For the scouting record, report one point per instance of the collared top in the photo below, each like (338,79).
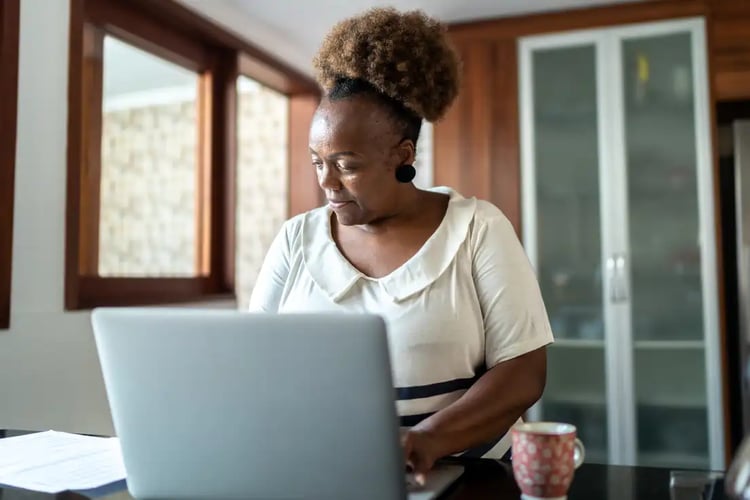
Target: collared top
(466,301)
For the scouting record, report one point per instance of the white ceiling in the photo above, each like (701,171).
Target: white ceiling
(293,29)
(128,69)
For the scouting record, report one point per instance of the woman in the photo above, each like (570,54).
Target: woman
(467,326)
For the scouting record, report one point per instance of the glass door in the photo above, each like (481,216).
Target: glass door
(668,291)
(561,229)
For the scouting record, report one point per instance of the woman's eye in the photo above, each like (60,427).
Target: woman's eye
(317,164)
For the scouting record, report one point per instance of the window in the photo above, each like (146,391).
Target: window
(149,213)
(9,21)
(153,201)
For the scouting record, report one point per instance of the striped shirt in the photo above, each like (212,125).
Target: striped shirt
(466,301)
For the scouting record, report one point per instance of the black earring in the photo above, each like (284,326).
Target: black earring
(405,173)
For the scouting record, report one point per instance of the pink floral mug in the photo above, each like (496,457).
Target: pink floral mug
(545,456)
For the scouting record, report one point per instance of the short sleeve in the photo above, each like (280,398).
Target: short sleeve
(269,287)
(515,319)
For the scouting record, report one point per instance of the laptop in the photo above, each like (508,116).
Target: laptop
(225,404)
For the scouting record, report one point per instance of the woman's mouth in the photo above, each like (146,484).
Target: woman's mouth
(337,204)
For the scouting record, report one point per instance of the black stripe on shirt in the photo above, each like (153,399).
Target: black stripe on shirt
(412,420)
(429,390)
(481,450)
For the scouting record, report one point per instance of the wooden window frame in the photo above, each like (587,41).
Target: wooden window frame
(9,33)
(170,31)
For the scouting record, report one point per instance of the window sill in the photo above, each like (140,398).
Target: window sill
(95,291)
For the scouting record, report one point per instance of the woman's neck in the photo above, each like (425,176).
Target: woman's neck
(414,206)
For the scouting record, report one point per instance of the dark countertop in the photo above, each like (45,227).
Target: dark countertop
(489,479)
(492,480)
(482,479)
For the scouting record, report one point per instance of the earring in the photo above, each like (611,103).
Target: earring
(405,173)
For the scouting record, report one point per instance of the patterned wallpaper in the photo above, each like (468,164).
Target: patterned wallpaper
(147,214)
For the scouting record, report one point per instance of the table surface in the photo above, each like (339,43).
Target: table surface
(490,479)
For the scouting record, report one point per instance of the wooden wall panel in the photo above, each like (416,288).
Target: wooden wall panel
(576,19)
(729,7)
(476,143)
(730,48)
(505,183)
(732,85)
(460,152)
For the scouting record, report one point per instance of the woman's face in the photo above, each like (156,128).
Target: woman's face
(356,148)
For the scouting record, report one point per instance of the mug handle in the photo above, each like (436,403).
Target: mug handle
(579,453)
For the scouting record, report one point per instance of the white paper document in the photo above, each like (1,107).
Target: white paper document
(52,462)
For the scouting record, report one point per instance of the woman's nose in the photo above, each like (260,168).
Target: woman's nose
(328,178)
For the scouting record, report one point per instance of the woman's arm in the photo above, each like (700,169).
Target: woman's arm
(269,286)
(487,410)
(516,332)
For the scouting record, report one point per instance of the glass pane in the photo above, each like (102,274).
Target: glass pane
(662,188)
(667,308)
(147,220)
(262,177)
(671,412)
(569,241)
(577,395)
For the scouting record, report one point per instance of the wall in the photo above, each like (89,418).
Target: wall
(49,373)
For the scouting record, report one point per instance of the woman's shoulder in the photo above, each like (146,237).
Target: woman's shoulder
(485,220)
(482,212)
(488,214)
(491,228)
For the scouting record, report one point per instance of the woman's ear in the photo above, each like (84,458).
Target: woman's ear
(407,152)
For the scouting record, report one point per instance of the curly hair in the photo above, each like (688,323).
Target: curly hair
(404,56)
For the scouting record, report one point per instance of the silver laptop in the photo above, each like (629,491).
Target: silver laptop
(225,404)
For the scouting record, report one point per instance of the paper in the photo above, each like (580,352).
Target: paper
(52,462)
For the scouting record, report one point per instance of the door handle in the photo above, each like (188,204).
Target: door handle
(617,277)
(621,278)
(612,279)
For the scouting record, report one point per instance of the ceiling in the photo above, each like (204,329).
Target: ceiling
(128,70)
(293,29)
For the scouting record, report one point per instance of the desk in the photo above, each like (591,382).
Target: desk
(488,479)
(494,480)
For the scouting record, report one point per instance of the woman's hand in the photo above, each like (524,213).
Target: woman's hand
(420,451)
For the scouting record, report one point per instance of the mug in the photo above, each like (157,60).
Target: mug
(545,456)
